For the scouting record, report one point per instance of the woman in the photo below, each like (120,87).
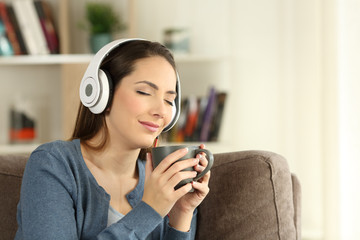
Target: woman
(96,186)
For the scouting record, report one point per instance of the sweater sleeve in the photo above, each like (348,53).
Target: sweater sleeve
(173,234)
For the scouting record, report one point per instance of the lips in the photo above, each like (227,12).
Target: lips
(152,127)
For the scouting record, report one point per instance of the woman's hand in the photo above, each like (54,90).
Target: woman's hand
(160,182)
(181,214)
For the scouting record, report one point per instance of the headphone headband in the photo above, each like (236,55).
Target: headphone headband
(94,65)
(92,72)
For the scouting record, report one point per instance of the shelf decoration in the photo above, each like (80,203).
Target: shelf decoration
(101,22)
(200,119)
(22,122)
(177,40)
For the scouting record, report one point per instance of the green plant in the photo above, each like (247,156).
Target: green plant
(101,18)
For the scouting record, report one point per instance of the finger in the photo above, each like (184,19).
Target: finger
(202,146)
(203,162)
(181,165)
(180,176)
(148,166)
(205,179)
(183,190)
(199,168)
(202,159)
(201,188)
(170,159)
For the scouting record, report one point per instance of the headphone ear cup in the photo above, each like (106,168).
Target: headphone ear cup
(105,93)
(89,91)
(111,88)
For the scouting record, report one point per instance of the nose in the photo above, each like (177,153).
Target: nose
(159,108)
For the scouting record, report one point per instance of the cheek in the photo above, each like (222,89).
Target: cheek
(131,104)
(124,106)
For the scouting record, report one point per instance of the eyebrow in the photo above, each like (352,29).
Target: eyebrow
(154,86)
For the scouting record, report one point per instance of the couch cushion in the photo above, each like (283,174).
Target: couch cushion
(250,198)
(11,171)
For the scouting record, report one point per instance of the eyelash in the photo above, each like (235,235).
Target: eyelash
(169,102)
(142,93)
(147,94)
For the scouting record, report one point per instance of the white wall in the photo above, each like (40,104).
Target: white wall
(349,73)
(330,123)
(277,67)
(206,19)
(254,43)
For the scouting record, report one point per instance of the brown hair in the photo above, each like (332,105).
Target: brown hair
(118,64)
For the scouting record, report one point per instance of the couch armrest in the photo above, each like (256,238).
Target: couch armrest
(11,171)
(251,197)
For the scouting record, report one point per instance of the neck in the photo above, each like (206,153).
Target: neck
(113,159)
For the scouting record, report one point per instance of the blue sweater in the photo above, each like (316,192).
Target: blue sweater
(60,199)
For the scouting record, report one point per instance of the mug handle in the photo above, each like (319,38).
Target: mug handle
(210,158)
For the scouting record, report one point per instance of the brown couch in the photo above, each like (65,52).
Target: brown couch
(252,196)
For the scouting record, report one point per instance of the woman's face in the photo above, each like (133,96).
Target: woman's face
(142,103)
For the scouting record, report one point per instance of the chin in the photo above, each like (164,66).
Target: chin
(147,143)
(146,140)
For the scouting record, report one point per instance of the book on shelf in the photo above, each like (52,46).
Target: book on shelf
(9,29)
(200,119)
(18,33)
(5,46)
(207,117)
(45,16)
(30,27)
(217,117)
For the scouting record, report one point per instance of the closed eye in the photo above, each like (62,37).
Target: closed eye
(143,93)
(169,102)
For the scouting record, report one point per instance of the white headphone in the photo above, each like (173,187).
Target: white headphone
(96,84)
